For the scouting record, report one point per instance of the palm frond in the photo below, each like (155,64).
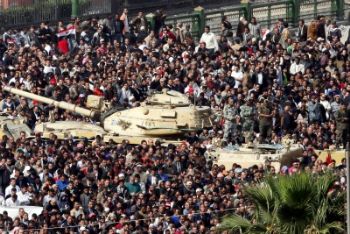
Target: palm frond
(235,223)
(296,190)
(320,214)
(292,204)
(262,196)
(332,228)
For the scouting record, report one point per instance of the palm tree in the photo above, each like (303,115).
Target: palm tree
(303,203)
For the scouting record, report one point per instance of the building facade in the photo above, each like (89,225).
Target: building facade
(5,4)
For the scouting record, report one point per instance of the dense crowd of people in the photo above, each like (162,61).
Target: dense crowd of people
(262,85)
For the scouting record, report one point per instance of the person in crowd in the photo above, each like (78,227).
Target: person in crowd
(210,40)
(126,24)
(226,27)
(118,28)
(139,22)
(265,120)
(342,120)
(261,89)
(302,31)
(321,27)
(242,24)
(254,28)
(334,32)
(312,30)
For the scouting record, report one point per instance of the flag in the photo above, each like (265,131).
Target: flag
(264,33)
(329,158)
(69,31)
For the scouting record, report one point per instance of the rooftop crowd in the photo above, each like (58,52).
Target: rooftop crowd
(261,87)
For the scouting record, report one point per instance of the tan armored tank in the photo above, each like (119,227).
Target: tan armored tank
(12,127)
(135,124)
(249,155)
(168,97)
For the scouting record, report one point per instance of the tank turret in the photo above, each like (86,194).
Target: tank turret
(168,97)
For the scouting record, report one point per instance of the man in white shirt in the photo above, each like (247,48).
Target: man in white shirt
(24,196)
(296,67)
(325,103)
(237,75)
(210,40)
(11,186)
(17,77)
(48,68)
(50,196)
(12,201)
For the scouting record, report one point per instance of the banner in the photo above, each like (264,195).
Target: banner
(13,211)
(344,33)
(69,31)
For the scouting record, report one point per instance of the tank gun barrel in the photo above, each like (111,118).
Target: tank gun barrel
(60,104)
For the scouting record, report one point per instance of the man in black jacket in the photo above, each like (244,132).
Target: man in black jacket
(321,30)
(44,33)
(260,77)
(118,28)
(4,175)
(302,31)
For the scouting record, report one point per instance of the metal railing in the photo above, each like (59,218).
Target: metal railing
(193,20)
(213,18)
(95,7)
(268,13)
(310,9)
(51,11)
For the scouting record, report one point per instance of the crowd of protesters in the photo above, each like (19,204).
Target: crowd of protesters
(262,85)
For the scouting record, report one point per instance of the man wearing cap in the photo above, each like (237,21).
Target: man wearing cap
(230,113)
(247,114)
(342,120)
(265,120)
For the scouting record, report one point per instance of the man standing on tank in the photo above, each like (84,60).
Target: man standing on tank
(342,121)
(230,114)
(247,114)
(265,120)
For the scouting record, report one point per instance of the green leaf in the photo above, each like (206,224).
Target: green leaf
(295,204)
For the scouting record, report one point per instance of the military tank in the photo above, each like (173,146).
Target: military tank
(160,122)
(13,126)
(254,154)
